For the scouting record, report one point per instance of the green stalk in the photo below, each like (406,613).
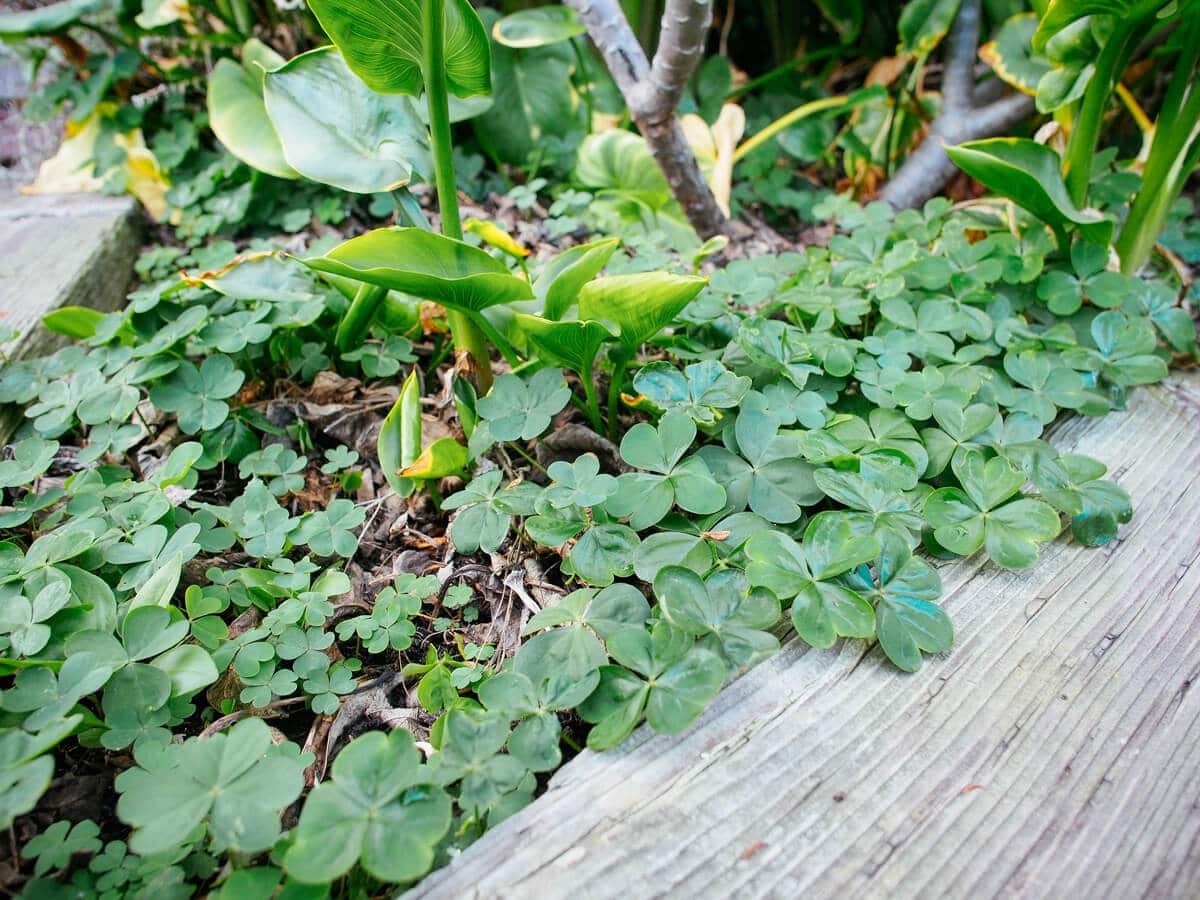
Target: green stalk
(409,210)
(593,400)
(1086,133)
(358,317)
(620,365)
(468,338)
(1169,162)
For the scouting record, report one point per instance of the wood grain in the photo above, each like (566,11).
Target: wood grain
(61,250)
(1053,753)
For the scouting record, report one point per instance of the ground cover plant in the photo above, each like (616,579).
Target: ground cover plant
(320,558)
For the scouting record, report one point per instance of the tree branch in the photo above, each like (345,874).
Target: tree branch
(928,169)
(652,91)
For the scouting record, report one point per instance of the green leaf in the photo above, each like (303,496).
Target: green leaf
(538,27)
(51,18)
(534,99)
(639,305)
(1062,13)
(1011,55)
(238,116)
(335,130)
(725,607)
(572,345)
(1029,174)
(426,265)
(923,24)
(388,55)
(486,507)
(908,622)
(823,609)
(399,444)
(76,322)
(701,390)
(443,457)
(578,484)
(603,553)
(675,680)
(379,809)
(521,409)
(30,460)
(236,782)
(561,279)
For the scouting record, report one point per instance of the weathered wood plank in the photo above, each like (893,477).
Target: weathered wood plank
(1051,754)
(61,250)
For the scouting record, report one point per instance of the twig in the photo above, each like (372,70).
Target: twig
(225,721)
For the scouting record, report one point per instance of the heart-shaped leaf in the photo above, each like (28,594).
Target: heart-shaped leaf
(336,130)
(388,55)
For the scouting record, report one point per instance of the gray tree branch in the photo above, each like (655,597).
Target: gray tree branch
(652,92)
(928,169)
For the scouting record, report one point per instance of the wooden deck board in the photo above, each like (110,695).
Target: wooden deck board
(1053,753)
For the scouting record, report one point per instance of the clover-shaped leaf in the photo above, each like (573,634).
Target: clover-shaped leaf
(603,611)
(235,783)
(979,514)
(379,809)
(1045,387)
(486,509)
(603,553)
(823,608)
(723,606)
(48,696)
(30,459)
(197,396)
(903,589)
(518,409)
(1073,483)
(471,745)
(55,846)
(765,472)
(645,497)
(700,391)
(1124,353)
(877,507)
(330,531)
(579,483)
(663,673)
(958,430)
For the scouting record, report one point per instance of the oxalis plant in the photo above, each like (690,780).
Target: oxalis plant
(799,440)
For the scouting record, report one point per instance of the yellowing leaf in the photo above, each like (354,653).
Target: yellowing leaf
(493,235)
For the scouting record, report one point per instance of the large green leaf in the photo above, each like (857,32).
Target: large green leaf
(49,19)
(619,160)
(336,130)
(383,42)
(1011,55)
(639,305)
(238,116)
(534,101)
(1062,13)
(923,24)
(426,265)
(538,27)
(1029,174)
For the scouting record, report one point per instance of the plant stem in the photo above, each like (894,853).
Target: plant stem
(620,364)
(468,339)
(529,459)
(408,209)
(1086,133)
(358,317)
(593,400)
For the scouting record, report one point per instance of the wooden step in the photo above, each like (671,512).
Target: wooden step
(1052,753)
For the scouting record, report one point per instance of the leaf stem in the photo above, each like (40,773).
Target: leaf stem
(468,339)
(357,320)
(620,365)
